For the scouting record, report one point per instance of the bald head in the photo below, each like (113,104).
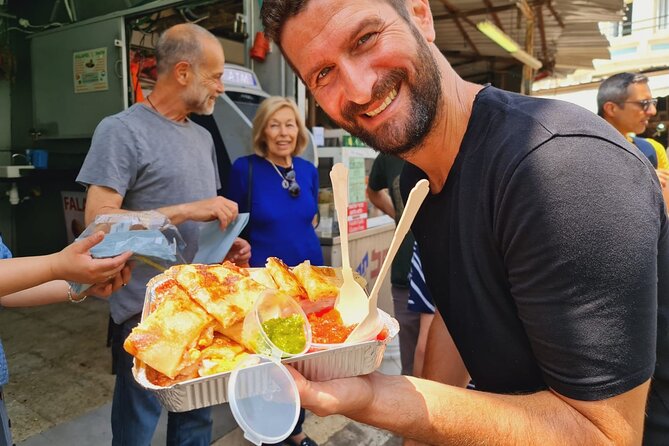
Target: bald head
(183,42)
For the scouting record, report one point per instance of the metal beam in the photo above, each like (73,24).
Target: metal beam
(528,13)
(555,14)
(542,31)
(480,11)
(495,17)
(484,59)
(453,9)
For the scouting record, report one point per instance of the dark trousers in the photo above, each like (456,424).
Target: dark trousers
(409,327)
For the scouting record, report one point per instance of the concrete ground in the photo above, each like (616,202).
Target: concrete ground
(61,384)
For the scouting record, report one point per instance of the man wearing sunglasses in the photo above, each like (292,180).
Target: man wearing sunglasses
(625,101)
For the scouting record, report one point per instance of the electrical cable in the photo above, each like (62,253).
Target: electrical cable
(69,10)
(15,28)
(139,68)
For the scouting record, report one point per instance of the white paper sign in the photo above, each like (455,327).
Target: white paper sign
(74,204)
(90,70)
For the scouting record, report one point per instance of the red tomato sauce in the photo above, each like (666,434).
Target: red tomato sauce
(328,328)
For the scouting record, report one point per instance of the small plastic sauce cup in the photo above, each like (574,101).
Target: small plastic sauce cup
(277,326)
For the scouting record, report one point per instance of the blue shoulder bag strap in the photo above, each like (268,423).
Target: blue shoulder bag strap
(647,149)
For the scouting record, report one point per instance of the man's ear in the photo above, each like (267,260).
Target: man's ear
(182,72)
(422,18)
(610,108)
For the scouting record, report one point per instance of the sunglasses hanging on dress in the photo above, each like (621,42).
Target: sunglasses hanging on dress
(288,180)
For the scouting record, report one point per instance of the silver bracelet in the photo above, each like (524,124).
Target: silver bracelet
(72,299)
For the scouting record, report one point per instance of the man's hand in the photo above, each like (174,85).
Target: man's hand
(240,253)
(216,208)
(75,264)
(103,200)
(345,396)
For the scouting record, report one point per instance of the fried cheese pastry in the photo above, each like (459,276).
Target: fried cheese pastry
(163,337)
(225,291)
(261,275)
(222,355)
(212,353)
(320,282)
(285,279)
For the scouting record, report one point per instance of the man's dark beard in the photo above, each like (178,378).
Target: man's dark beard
(425,95)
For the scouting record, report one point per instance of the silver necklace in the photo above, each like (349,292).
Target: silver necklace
(284,182)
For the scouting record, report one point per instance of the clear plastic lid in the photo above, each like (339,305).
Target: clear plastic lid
(264,399)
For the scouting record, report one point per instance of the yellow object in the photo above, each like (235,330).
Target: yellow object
(662,160)
(505,41)
(498,36)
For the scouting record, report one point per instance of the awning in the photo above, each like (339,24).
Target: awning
(566,34)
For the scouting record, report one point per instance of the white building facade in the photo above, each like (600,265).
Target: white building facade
(638,43)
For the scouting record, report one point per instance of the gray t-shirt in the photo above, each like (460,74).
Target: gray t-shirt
(152,162)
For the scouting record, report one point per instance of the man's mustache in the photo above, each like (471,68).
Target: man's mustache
(379,92)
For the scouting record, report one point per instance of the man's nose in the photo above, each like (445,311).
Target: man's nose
(651,110)
(358,81)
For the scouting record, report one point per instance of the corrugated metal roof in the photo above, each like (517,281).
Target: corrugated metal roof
(566,35)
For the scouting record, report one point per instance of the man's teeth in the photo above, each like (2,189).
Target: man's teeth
(384,105)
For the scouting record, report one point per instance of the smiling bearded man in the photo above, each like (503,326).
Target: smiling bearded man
(544,242)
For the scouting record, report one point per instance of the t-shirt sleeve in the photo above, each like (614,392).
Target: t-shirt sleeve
(377,176)
(582,263)
(237,187)
(112,158)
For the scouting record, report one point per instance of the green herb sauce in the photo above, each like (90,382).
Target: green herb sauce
(286,333)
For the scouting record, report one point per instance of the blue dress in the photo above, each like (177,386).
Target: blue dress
(279,225)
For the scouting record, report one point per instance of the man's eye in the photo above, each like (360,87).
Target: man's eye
(324,72)
(365,38)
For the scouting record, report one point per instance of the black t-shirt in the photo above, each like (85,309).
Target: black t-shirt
(546,251)
(385,174)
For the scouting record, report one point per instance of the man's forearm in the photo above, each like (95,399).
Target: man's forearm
(436,413)
(381,199)
(177,213)
(91,213)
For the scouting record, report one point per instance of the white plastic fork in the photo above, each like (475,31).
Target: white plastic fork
(352,300)
(371,325)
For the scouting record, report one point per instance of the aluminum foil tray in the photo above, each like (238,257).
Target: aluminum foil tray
(337,362)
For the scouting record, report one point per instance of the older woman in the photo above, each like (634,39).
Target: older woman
(280,191)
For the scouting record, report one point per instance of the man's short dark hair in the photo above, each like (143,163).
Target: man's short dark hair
(275,13)
(615,89)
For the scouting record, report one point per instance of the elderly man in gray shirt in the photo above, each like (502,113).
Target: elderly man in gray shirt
(153,157)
